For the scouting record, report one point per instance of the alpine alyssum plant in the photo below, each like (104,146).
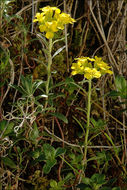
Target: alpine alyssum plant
(91,68)
(50,21)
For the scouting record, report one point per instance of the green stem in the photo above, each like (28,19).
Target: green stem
(49,68)
(75,170)
(87,126)
(1,13)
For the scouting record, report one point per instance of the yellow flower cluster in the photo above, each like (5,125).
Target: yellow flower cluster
(90,67)
(51,20)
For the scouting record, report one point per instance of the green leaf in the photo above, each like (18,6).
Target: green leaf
(34,154)
(43,39)
(3,125)
(98,179)
(98,125)
(116,188)
(68,177)
(114,93)
(18,88)
(41,96)
(53,183)
(8,126)
(95,158)
(54,96)
(58,40)
(36,85)
(60,116)
(57,85)
(69,80)
(58,51)
(82,186)
(9,162)
(110,140)
(39,159)
(120,83)
(79,123)
(106,188)
(27,85)
(49,151)
(48,166)
(34,134)
(45,51)
(86,180)
(60,151)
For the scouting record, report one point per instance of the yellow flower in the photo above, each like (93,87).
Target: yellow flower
(51,26)
(51,20)
(109,72)
(78,68)
(84,61)
(91,73)
(50,9)
(66,18)
(42,28)
(102,66)
(90,67)
(74,72)
(90,59)
(49,35)
(39,17)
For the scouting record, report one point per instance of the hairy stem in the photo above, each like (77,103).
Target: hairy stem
(49,68)
(87,126)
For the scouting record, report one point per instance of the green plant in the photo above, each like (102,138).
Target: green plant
(37,181)
(103,161)
(50,21)
(91,68)
(58,186)
(121,86)
(96,182)
(61,184)
(47,155)
(28,106)
(56,130)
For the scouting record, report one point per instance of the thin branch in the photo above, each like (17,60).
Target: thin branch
(104,39)
(77,146)
(66,41)
(29,6)
(109,31)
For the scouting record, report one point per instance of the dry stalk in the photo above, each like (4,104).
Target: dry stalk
(27,7)
(112,59)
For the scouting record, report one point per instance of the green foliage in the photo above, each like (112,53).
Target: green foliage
(4,59)
(98,125)
(60,116)
(7,128)
(76,160)
(48,155)
(34,133)
(27,87)
(60,185)
(96,182)
(44,113)
(56,186)
(8,162)
(104,158)
(38,182)
(121,86)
